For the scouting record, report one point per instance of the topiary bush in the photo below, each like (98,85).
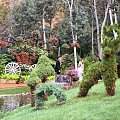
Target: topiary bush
(48,89)
(42,71)
(110,46)
(33,80)
(107,68)
(39,74)
(89,78)
(44,68)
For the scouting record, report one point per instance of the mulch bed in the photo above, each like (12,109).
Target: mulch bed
(10,84)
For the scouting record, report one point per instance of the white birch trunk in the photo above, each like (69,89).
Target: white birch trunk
(59,51)
(71,24)
(103,24)
(115,15)
(92,40)
(44,37)
(111,20)
(97,25)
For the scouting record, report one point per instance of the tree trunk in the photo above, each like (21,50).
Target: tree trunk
(92,38)
(44,37)
(73,37)
(97,25)
(103,24)
(32,88)
(111,90)
(111,20)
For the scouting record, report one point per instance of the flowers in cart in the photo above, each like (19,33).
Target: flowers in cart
(73,74)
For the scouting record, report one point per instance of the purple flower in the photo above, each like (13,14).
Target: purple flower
(72,72)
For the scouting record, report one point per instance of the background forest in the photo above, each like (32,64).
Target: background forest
(53,25)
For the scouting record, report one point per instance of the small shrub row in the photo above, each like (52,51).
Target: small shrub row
(13,77)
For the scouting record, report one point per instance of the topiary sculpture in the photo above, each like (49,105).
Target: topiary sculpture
(48,89)
(107,68)
(89,78)
(110,46)
(39,74)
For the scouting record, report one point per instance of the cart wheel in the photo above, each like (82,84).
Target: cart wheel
(31,67)
(12,68)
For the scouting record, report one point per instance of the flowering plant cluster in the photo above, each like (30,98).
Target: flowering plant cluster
(72,72)
(25,55)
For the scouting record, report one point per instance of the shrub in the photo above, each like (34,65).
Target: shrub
(110,47)
(89,78)
(13,77)
(48,89)
(44,68)
(41,72)
(2,64)
(33,79)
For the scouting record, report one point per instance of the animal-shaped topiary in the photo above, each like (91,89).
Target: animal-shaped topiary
(89,78)
(48,89)
(107,68)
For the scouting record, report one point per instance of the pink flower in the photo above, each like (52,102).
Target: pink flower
(72,72)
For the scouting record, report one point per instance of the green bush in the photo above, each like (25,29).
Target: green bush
(33,79)
(92,74)
(2,64)
(48,89)
(41,72)
(110,47)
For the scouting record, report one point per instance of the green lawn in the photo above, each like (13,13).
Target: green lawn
(15,91)
(96,106)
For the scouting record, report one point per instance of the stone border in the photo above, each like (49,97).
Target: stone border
(13,101)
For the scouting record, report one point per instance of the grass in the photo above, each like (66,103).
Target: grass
(96,106)
(15,90)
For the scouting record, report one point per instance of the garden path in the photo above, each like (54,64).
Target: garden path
(10,84)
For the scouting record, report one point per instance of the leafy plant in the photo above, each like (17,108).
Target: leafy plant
(2,64)
(72,72)
(110,46)
(89,78)
(33,79)
(107,68)
(13,77)
(39,74)
(44,68)
(48,89)
(50,78)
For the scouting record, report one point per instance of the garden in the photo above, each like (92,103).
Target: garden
(59,59)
